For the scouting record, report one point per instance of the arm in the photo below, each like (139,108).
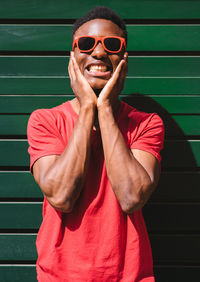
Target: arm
(61,177)
(133,174)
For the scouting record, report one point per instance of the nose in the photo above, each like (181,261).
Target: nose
(99,51)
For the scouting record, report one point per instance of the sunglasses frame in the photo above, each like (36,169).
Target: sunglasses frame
(97,39)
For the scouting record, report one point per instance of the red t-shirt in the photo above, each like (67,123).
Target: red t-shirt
(96,241)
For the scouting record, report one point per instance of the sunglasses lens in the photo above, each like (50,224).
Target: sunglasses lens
(112,44)
(86,43)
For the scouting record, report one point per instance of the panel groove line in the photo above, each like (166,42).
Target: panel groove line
(126,20)
(67,53)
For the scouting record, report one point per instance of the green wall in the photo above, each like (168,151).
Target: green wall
(163,76)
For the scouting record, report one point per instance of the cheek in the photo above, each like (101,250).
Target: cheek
(80,59)
(115,61)
(115,64)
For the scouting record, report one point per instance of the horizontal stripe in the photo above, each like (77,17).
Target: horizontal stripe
(172,187)
(175,126)
(58,37)
(174,273)
(14,153)
(142,86)
(187,104)
(138,9)
(56,67)
(170,249)
(185,248)
(16,272)
(160,217)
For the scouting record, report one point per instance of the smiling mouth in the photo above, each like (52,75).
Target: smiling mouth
(98,68)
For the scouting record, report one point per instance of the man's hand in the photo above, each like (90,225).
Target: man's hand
(79,84)
(85,93)
(114,86)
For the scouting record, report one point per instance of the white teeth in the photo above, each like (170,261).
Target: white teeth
(97,68)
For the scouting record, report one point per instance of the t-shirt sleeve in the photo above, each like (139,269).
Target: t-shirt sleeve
(150,136)
(44,137)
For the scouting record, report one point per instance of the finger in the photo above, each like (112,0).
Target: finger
(120,66)
(117,73)
(75,66)
(79,76)
(124,70)
(125,67)
(117,80)
(79,80)
(113,80)
(71,69)
(122,76)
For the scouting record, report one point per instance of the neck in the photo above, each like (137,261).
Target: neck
(76,106)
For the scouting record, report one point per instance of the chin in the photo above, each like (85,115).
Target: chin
(97,92)
(98,85)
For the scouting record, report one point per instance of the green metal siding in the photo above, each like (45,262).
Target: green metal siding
(163,76)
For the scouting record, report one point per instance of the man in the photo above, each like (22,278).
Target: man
(97,162)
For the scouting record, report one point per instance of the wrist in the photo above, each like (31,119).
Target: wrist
(104,105)
(107,106)
(87,108)
(86,116)
(88,102)
(105,114)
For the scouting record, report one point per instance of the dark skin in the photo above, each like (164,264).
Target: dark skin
(133,174)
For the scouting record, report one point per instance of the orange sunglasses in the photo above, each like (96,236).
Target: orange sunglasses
(112,44)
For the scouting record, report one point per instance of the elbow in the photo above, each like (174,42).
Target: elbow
(136,198)
(65,206)
(61,205)
(132,204)
(58,196)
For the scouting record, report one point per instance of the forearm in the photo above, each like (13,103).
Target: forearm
(129,180)
(64,179)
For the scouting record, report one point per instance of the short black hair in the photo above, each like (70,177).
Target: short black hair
(100,12)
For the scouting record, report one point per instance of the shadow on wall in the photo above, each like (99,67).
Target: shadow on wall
(171,214)
(177,154)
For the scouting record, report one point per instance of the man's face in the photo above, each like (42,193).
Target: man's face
(98,65)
